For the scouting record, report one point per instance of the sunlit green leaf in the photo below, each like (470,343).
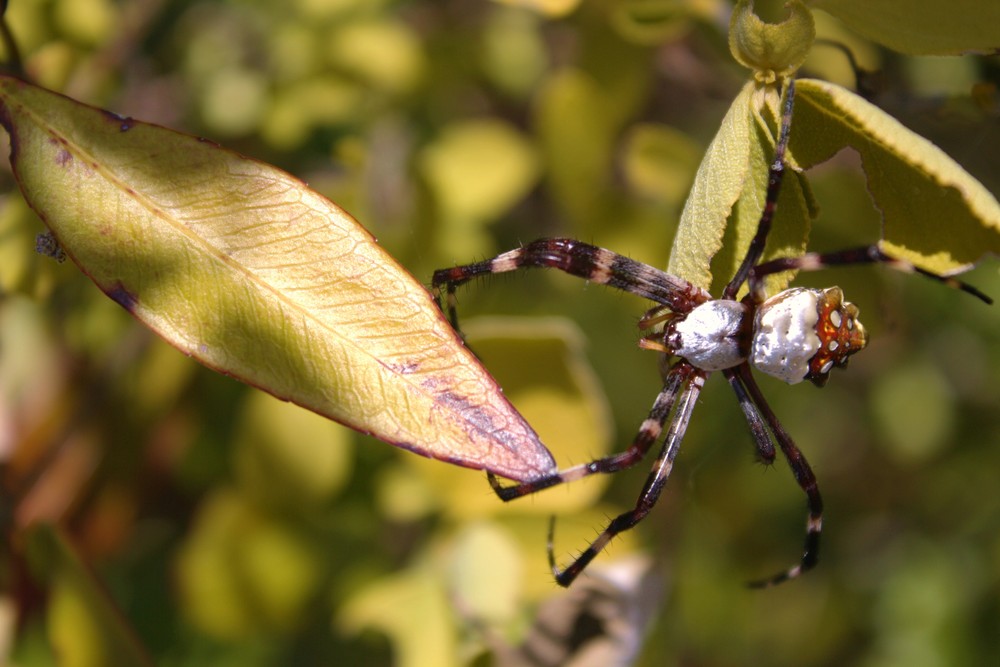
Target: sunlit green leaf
(514,50)
(658,162)
(724,206)
(413,610)
(252,273)
(385,54)
(234,100)
(551,8)
(934,213)
(486,572)
(717,186)
(576,133)
(241,573)
(476,170)
(288,456)
(922,27)
(298,108)
(658,21)
(89,21)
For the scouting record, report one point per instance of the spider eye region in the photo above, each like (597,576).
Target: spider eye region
(802,333)
(840,332)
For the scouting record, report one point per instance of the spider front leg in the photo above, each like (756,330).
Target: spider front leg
(691,380)
(775,176)
(583,261)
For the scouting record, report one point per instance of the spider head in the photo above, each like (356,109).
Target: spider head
(840,334)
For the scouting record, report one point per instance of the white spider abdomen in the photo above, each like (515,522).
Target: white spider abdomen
(709,337)
(785,336)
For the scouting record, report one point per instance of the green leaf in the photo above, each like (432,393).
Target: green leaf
(915,411)
(413,609)
(549,8)
(723,209)
(934,213)
(658,21)
(288,458)
(85,627)
(657,162)
(717,186)
(922,27)
(577,133)
(485,571)
(384,54)
(249,271)
(772,50)
(476,170)
(241,572)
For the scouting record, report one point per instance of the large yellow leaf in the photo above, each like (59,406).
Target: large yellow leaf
(933,212)
(922,27)
(246,269)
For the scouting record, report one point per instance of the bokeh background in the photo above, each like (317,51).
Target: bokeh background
(232,529)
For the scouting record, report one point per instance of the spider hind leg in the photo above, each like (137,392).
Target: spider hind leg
(869,254)
(684,385)
(753,403)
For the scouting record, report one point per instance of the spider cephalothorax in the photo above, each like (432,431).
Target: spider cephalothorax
(798,334)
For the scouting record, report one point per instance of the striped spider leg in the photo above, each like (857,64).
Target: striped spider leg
(798,334)
(682,382)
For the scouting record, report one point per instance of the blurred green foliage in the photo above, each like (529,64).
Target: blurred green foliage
(232,529)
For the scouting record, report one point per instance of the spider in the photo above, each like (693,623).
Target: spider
(798,334)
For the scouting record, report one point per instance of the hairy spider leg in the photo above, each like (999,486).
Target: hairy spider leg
(803,474)
(584,261)
(758,429)
(775,175)
(649,433)
(870,254)
(686,379)
(682,381)
(754,404)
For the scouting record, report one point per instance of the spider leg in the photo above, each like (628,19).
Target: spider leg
(694,380)
(871,254)
(758,429)
(654,316)
(803,475)
(649,433)
(774,177)
(584,261)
